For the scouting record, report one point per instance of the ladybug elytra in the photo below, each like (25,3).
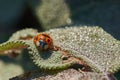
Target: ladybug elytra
(43,41)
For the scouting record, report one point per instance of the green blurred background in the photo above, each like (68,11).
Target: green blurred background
(48,14)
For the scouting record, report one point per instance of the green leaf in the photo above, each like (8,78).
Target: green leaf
(93,45)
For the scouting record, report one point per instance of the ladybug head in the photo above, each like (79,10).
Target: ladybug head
(43,41)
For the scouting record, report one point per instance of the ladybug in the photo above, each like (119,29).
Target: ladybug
(43,41)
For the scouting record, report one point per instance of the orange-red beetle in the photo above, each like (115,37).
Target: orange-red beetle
(43,41)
